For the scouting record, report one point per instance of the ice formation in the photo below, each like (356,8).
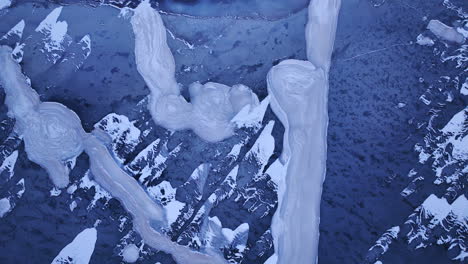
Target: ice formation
(53,134)
(212,105)
(299,91)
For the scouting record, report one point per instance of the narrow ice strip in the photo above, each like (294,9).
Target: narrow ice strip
(299,91)
(212,105)
(79,250)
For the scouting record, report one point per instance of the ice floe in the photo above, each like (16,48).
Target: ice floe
(445,32)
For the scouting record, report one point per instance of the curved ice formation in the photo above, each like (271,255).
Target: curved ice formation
(212,105)
(299,91)
(53,134)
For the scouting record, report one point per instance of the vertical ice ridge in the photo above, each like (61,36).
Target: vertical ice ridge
(299,91)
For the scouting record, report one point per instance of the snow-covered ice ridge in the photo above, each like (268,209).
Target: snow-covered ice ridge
(442,165)
(123,136)
(434,222)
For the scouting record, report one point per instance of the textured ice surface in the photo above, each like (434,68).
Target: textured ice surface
(79,250)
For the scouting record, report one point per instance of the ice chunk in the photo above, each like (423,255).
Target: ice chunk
(5,206)
(55,33)
(79,250)
(445,32)
(130,253)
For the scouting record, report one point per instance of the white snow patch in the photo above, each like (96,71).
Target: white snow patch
(87,183)
(9,164)
(5,206)
(251,116)
(212,105)
(16,30)
(424,41)
(164,193)
(20,193)
(263,148)
(4,4)
(79,251)
(54,33)
(72,206)
(55,191)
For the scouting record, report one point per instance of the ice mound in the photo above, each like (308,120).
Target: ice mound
(211,106)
